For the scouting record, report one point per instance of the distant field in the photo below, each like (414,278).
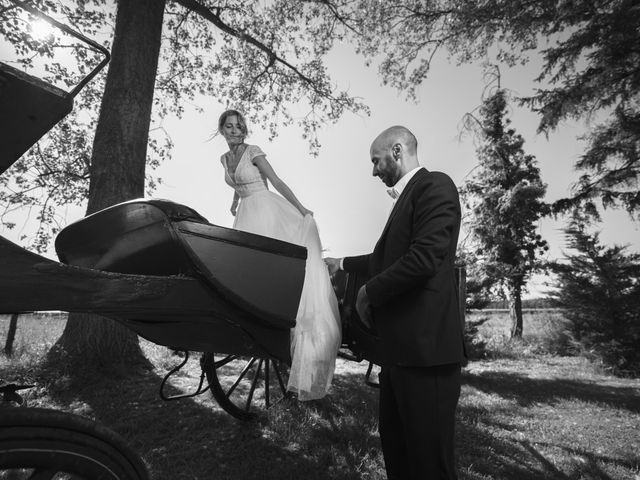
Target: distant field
(45,327)
(537,323)
(36,332)
(522,416)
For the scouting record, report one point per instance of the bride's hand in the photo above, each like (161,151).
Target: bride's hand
(234,209)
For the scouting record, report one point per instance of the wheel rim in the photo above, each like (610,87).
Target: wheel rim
(245,386)
(44,444)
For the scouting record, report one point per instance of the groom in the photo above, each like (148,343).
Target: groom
(412,299)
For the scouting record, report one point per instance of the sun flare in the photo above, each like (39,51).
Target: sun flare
(41,29)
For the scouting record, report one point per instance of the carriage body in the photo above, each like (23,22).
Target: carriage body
(255,280)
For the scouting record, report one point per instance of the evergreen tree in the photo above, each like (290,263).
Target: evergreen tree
(479,285)
(600,288)
(504,197)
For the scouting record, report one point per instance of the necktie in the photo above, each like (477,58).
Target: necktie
(393,193)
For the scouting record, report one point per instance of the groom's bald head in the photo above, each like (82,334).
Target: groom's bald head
(394,153)
(397,134)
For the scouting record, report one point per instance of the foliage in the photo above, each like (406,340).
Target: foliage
(263,58)
(54,174)
(267,58)
(591,65)
(475,344)
(503,197)
(612,165)
(536,303)
(478,289)
(479,284)
(600,288)
(606,39)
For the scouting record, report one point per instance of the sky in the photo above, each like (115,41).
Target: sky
(349,204)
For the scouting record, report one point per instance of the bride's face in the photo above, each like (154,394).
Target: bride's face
(233,131)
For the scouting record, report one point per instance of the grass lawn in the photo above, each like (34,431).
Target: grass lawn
(529,417)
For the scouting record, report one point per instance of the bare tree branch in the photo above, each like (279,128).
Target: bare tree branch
(214,17)
(337,15)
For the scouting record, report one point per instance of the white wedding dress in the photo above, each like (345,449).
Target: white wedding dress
(316,338)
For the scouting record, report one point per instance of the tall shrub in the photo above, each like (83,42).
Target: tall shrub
(600,288)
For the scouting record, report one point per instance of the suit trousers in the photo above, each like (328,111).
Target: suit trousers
(417,419)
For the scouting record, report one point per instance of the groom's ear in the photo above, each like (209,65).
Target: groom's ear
(396,149)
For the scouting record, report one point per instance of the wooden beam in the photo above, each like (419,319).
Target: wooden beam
(30,282)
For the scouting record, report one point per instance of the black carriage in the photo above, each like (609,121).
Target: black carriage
(165,272)
(162,270)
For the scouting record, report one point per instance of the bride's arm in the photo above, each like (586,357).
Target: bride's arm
(267,170)
(236,197)
(234,204)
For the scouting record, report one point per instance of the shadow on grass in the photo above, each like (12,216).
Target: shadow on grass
(497,443)
(528,391)
(485,453)
(485,456)
(341,428)
(590,462)
(482,455)
(333,438)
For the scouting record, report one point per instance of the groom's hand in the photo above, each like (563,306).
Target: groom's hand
(333,264)
(363,306)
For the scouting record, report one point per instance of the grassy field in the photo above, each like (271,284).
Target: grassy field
(523,414)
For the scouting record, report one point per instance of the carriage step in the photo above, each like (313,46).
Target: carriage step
(29,108)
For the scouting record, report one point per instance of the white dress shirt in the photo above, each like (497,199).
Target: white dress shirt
(395,192)
(401,184)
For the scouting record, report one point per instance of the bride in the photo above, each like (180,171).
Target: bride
(315,340)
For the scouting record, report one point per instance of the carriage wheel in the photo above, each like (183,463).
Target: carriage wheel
(244,386)
(45,444)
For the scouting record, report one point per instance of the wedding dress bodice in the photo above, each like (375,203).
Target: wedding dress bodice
(247,179)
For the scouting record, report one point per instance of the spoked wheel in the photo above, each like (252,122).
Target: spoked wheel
(244,386)
(42,444)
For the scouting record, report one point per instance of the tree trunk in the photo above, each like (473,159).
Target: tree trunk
(11,335)
(118,166)
(515,309)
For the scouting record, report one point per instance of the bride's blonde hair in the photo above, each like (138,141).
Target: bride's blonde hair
(230,113)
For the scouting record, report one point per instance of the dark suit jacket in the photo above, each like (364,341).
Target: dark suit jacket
(412,287)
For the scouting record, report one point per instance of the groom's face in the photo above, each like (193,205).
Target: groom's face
(385,166)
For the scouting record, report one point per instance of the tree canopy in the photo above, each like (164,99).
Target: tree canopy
(590,69)
(266,59)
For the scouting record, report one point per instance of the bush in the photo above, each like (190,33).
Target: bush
(600,288)
(475,343)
